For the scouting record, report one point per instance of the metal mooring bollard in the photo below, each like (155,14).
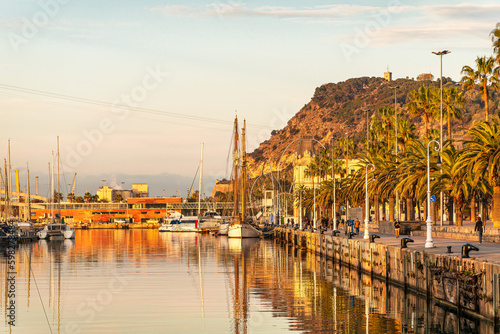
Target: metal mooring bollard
(466,249)
(335,233)
(373,237)
(350,235)
(449,250)
(405,241)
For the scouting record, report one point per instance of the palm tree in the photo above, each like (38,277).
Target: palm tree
(118,198)
(481,159)
(485,75)
(413,172)
(71,197)
(406,133)
(313,170)
(423,102)
(87,197)
(387,120)
(453,100)
(453,181)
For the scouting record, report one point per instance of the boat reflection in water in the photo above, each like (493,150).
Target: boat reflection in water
(142,281)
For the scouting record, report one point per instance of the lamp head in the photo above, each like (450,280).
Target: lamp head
(438,161)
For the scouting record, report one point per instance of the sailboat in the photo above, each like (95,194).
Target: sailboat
(56,228)
(240,227)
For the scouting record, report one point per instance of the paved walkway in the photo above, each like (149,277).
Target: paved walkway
(488,251)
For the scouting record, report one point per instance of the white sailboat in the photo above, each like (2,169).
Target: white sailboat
(176,222)
(240,227)
(53,228)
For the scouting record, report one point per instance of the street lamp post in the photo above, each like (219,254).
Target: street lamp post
(429,243)
(367,206)
(440,54)
(334,208)
(347,172)
(396,143)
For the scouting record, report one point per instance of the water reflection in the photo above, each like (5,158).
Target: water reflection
(132,281)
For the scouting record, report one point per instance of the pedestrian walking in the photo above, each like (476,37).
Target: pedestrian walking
(356,226)
(346,226)
(479,228)
(397,226)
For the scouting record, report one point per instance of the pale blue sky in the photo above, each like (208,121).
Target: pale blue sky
(210,58)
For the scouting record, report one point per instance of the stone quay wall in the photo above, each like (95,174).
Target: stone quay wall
(467,284)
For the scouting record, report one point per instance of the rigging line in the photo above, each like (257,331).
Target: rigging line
(116,105)
(194,178)
(38,290)
(229,153)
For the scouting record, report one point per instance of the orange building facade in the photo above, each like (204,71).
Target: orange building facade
(134,210)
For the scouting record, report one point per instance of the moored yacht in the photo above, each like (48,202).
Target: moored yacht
(242,230)
(56,229)
(182,224)
(211,221)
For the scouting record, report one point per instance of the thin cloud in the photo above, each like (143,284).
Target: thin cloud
(403,34)
(239,10)
(457,11)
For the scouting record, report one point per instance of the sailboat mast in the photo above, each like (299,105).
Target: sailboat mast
(201,182)
(10,179)
(243,172)
(235,165)
(58,181)
(7,189)
(52,187)
(28,196)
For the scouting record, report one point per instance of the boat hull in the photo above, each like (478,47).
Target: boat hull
(224,228)
(179,227)
(55,230)
(242,231)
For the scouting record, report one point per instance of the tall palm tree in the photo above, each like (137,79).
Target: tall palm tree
(481,159)
(423,102)
(387,120)
(406,133)
(453,100)
(454,181)
(413,171)
(484,75)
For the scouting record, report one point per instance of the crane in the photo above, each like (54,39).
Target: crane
(73,186)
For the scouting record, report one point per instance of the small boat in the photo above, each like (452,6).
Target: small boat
(183,224)
(25,231)
(56,229)
(242,230)
(211,221)
(7,235)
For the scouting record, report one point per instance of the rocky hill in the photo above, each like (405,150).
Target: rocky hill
(337,108)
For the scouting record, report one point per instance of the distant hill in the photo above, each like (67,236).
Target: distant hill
(335,108)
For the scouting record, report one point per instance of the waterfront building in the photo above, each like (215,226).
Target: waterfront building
(134,210)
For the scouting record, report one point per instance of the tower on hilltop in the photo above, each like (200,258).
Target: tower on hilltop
(388,75)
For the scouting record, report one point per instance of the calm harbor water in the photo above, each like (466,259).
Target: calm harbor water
(142,281)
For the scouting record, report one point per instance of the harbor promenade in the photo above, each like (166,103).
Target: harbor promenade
(443,236)
(470,284)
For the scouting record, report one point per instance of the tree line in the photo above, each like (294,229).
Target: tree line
(468,177)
